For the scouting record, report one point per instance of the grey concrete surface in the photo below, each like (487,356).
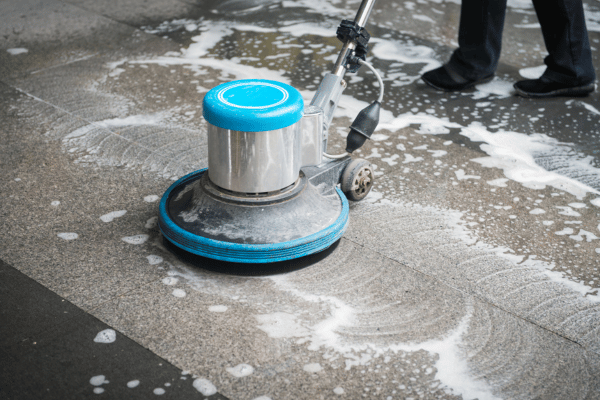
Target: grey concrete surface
(444,285)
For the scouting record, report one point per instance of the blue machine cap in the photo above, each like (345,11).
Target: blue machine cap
(253,105)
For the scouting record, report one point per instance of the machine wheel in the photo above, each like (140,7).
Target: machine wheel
(357,179)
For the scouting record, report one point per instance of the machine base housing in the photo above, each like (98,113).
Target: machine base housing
(302,219)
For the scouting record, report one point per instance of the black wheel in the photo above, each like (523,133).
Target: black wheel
(357,179)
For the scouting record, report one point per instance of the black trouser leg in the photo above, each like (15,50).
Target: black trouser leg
(565,34)
(479,38)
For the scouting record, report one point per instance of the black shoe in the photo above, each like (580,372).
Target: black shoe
(538,88)
(448,80)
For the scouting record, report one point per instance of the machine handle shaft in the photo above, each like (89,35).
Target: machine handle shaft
(363,13)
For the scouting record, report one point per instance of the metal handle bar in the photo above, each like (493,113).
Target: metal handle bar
(361,19)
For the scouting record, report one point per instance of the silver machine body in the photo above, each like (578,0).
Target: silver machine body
(267,161)
(270,161)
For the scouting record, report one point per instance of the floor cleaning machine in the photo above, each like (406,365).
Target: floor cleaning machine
(271,192)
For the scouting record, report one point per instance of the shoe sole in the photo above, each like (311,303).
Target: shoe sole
(579,91)
(467,86)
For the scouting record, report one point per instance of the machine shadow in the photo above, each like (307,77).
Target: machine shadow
(243,269)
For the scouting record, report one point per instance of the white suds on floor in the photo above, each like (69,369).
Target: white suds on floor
(17,50)
(68,235)
(98,380)
(151,198)
(241,370)
(106,336)
(204,386)
(112,215)
(154,260)
(136,239)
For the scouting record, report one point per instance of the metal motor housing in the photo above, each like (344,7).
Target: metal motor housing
(263,151)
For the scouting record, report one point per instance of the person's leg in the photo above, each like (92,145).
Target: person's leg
(569,69)
(479,38)
(566,38)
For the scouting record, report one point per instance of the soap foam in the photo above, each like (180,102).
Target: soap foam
(17,50)
(313,368)
(151,198)
(98,380)
(68,235)
(154,260)
(136,239)
(204,386)
(170,281)
(532,72)
(241,370)
(151,223)
(106,336)
(112,215)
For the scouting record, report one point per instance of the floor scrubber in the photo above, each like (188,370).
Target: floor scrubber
(271,192)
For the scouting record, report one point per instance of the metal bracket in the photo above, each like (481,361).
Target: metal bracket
(351,32)
(328,173)
(326,98)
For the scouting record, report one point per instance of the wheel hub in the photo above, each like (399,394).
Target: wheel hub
(363,181)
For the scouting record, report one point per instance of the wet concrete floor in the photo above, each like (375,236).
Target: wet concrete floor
(470,271)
